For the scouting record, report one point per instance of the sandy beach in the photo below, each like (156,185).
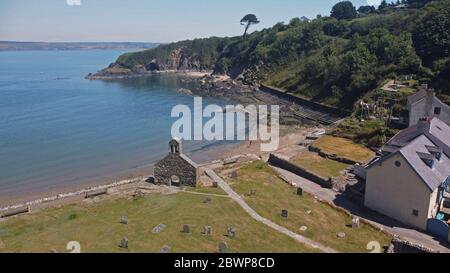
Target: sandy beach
(289,136)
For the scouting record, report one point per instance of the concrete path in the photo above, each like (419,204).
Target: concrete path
(386,224)
(238,199)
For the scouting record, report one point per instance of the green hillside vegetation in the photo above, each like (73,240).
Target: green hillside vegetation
(204,50)
(330,60)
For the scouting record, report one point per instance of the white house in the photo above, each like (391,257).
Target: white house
(425,104)
(407,185)
(410,182)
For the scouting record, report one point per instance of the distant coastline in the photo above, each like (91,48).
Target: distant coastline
(49,46)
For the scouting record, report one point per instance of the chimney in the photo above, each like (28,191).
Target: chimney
(429,102)
(423,123)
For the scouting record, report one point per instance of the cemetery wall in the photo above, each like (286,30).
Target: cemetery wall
(277,161)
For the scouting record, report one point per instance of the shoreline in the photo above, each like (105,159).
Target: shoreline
(202,155)
(187,73)
(66,194)
(216,85)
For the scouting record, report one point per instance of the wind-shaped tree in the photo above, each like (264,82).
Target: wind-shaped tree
(344,11)
(247,21)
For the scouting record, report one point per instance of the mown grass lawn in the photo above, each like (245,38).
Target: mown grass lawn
(324,222)
(343,148)
(96,227)
(324,167)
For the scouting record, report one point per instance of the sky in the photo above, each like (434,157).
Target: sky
(159,21)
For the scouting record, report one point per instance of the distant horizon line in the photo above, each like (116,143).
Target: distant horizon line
(79,42)
(73,42)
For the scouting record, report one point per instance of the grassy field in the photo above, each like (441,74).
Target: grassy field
(96,226)
(324,167)
(343,148)
(207,190)
(323,221)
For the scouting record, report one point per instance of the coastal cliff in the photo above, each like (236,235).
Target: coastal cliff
(196,55)
(327,60)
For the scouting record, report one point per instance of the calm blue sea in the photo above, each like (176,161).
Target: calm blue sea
(59,130)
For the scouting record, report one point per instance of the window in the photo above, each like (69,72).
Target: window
(430,163)
(415,212)
(398,164)
(437,111)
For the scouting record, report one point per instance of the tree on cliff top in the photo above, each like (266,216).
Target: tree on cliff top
(344,10)
(247,21)
(367,9)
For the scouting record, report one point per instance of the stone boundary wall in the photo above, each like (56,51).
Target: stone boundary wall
(402,246)
(397,245)
(70,194)
(278,161)
(301,101)
(344,160)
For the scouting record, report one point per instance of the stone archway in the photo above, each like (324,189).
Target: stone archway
(175,181)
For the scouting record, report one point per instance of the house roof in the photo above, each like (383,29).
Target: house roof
(435,130)
(417,96)
(414,153)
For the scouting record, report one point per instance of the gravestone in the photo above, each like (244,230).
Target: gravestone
(231,232)
(165,249)
(54,251)
(159,228)
(341,235)
(207,230)
(207,200)
(299,191)
(186,229)
(233,175)
(303,228)
(252,192)
(124,220)
(215,184)
(356,222)
(223,247)
(124,243)
(284,213)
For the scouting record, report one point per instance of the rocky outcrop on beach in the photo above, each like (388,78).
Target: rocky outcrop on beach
(238,92)
(115,70)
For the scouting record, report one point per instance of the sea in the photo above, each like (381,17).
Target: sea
(59,130)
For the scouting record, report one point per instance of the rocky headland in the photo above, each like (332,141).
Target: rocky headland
(207,74)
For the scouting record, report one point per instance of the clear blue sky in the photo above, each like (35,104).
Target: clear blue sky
(145,20)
